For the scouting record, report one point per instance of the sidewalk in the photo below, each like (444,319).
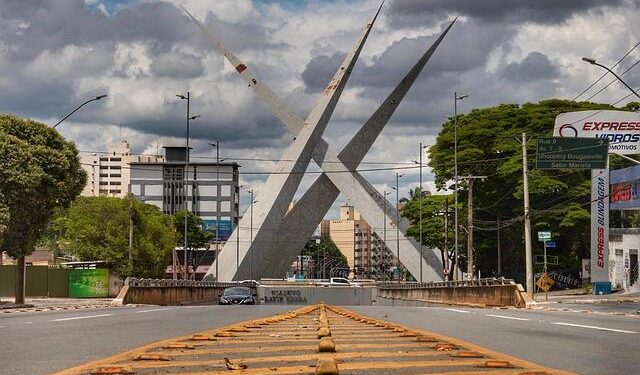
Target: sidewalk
(578,296)
(52,304)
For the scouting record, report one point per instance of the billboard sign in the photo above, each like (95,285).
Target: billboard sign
(225,228)
(571,153)
(89,282)
(621,128)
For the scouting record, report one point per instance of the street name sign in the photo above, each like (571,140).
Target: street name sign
(544,236)
(572,153)
(551,244)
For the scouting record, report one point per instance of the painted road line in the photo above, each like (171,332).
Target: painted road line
(460,311)
(507,317)
(593,327)
(80,317)
(154,310)
(319,336)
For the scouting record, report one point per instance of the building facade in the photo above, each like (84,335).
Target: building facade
(108,173)
(209,190)
(366,253)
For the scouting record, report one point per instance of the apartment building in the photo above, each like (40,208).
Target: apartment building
(366,253)
(108,173)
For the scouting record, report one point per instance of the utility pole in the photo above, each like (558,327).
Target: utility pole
(527,218)
(397,189)
(499,250)
(445,247)
(470,262)
(420,219)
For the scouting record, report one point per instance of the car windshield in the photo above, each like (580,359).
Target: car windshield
(237,292)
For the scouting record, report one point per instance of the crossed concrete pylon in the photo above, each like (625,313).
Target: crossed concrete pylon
(278,235)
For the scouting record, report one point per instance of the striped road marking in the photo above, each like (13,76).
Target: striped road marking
(79,317)
(593,327)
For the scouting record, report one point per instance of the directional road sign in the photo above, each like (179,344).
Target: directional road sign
(572,153)
(545,282)
(551,244)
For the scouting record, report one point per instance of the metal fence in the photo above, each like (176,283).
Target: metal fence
(167,283)
(450,284)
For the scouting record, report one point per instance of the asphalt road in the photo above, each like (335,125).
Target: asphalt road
(587,343)
(44,342)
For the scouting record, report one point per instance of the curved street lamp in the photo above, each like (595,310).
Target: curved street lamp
(592,61)
(80,106)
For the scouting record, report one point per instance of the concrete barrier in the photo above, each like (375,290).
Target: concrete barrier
(169,292)
(484,292)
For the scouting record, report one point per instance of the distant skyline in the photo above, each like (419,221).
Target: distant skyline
(57,53)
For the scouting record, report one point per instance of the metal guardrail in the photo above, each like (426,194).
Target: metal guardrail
(493,281)
(155,283)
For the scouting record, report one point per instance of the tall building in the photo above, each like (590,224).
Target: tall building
(108,173)
(212,191)
(356,239)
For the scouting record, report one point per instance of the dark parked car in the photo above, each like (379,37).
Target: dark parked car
(237,295)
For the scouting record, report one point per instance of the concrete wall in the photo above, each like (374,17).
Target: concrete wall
(302,295)
(494,295)
(169,295)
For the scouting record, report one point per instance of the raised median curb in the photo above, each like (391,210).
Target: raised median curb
(289,343)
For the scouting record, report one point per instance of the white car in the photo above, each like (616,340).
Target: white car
(340,281)
(254,282)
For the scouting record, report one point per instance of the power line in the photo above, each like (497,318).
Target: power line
(605,73)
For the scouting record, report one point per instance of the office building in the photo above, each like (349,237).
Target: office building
(212,189)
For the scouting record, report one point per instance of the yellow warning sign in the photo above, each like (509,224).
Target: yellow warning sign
(545,282)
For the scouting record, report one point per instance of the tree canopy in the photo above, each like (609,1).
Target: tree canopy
(39,172)
(197,237)
(97,228)
(489,144)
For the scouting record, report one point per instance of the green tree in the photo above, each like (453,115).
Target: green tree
(97,228)
(434,208)
(489,143)
(197,237)
(326,254)
(39,171)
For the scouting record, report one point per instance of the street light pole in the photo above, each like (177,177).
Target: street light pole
(251,234)
(186,178)
(78,107)
(420,203)
(593,62)
(217,146)
(384,234)
(397,189)
(455,156)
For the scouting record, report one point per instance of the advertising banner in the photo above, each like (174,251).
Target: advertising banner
(225,228)
(89,282)
(621,128)
(600,225)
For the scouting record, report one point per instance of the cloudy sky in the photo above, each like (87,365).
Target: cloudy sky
(55,54)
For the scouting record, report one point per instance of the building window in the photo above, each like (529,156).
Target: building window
(114,183)
(104,159)
(115,167)
(116,175)
(104,183)
(114,191)
(104,167)
(103,175)
(116,159)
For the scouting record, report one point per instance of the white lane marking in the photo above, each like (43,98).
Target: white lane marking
(507,317)
(146,311)
(79,317)
(593,327)
(460,311)
(28,322)
(194,307)
(1,326)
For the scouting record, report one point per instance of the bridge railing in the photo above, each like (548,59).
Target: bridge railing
(489,281)
(167,283)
